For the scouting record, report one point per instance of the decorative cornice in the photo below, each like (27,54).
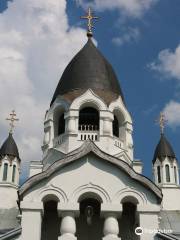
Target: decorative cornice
(90,147)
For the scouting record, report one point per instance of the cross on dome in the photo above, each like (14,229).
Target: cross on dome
(162,122)
(90,19)
(12,120)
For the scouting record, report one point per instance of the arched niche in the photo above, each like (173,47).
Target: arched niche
(130,199)
(88,118)
(89,223)
(50,197)
(59,121)
(51,221)
(14,167)
(5,171)
(129,220)
(89,98)
(51,193)
(167,170)
(118,124)
(90,191)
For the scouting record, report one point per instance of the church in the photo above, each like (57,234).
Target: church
(88,186)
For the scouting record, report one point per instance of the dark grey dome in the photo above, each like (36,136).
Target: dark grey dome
(163,149)
(88,69)
(9,147)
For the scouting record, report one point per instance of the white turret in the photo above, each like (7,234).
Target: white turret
(88,104)
(9,173)
(9,169)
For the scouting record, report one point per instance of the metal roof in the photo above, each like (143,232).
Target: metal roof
(163,149)
(9,147)
(88,70)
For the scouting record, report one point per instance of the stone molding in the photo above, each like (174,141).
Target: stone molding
(86,148)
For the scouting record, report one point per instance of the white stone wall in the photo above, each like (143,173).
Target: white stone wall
(171,198)
(162,164)
(8,193)
(87,176)
(121,147)
(11,163)
(9,188)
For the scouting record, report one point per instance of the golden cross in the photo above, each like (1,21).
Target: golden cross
(162,121)
(12,119)
(90,19)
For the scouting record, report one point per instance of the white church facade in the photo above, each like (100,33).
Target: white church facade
(88,186)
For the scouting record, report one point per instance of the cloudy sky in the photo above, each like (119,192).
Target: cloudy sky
(141,38)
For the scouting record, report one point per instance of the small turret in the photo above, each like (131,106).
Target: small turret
(9,169)
(10,161)
(165,165)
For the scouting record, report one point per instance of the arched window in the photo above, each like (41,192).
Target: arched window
(61,124)
(13,173)
(175,174)
(167,173)
(129,221)
(5,173)
(159,174)
(115,127)
(89,223)
(51,221)
(88,119)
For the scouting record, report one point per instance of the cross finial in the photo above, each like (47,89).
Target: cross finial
(90,19)
(162,122)
(11,120)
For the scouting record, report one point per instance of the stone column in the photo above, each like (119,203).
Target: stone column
(68,227)
(111,212)
(111,228)
(68,212)
(31,221)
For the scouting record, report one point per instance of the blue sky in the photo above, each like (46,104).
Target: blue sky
(146,92)
(132,43)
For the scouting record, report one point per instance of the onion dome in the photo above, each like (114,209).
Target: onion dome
(9,147)
(163,149)
(89,70)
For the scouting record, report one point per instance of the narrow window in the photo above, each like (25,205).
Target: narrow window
(50,223)
(88,119)
(175,174)
(89,223)
(5,172)
(128,222)
(159,174)
(13,173)
(61,126)
(115,127)
(167,173)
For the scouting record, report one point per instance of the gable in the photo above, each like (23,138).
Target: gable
(83,152)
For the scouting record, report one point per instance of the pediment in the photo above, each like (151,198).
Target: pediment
(85,149)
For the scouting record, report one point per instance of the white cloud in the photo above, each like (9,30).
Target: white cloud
(130,8)
(131,35)
(168,63)
(36,43)
(172,113)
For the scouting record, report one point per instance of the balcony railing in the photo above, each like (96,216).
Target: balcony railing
(118,142)
(88,132)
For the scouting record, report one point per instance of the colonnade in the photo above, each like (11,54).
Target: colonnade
(32,222)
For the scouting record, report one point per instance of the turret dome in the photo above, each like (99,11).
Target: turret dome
(89,70)
(163,149)
(9,147)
